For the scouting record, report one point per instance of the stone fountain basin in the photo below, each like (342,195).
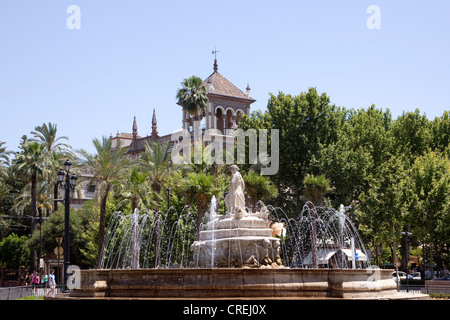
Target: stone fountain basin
(236,283)
(234,233)
(250,222)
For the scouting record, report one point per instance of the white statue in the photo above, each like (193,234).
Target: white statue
(235,199)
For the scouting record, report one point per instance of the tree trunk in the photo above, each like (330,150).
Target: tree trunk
(431,261)
(199,220)
(314,253)
(33,263)
(394,251)
(101,231)
(134,203)
(157,228)
(157,240)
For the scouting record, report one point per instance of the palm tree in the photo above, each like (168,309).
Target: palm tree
(155,161)
(316,188)
(192,96)
(46,134)
(258,187)
(4,154)
(107,166)
(5,189)
(135,188)
(199,188)
(30,163)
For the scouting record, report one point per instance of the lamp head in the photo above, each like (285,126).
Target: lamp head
(73,180)
(61,175)
(67,165)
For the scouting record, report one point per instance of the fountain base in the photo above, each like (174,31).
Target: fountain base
(236,283)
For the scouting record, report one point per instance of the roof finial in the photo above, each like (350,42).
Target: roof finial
(215,53)
(215,59)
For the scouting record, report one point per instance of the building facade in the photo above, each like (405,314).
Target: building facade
(227,104)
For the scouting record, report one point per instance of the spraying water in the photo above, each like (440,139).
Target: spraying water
(317,237)
(321,237)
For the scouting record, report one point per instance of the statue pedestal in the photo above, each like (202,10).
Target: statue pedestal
(228,242)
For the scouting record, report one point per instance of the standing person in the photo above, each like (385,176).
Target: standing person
(52,281)
(45,282)
(428,274)
(27,279)
(35,282)
(445,273)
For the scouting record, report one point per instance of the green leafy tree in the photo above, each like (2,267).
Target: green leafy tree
(363,144)
(440,128)
(429,185)
(307,122)
(383,206)
(413,134)
(14,251)
(81,223)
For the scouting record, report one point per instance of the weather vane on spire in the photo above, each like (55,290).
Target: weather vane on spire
(215,53)
(215,59)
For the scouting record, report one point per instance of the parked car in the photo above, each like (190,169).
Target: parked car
(415,276)
(401,275)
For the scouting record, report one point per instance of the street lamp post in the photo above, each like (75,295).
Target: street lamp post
(59,241)
(68,185)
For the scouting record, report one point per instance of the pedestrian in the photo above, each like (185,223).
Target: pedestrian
(52,281)
(422,273)
(428,274)
(27,279)
(35,282)
(445,271)
(45,282)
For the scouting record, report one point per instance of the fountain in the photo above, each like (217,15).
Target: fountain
(262,254)
(147,240)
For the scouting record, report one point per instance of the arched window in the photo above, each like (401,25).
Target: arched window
(239,115)
(219,119)
(229,122)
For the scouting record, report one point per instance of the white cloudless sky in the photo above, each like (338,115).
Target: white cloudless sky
(129,58)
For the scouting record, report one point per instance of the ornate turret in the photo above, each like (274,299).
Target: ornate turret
(154,125)
(135,134)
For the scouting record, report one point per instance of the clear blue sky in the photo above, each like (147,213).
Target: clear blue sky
(129,58)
